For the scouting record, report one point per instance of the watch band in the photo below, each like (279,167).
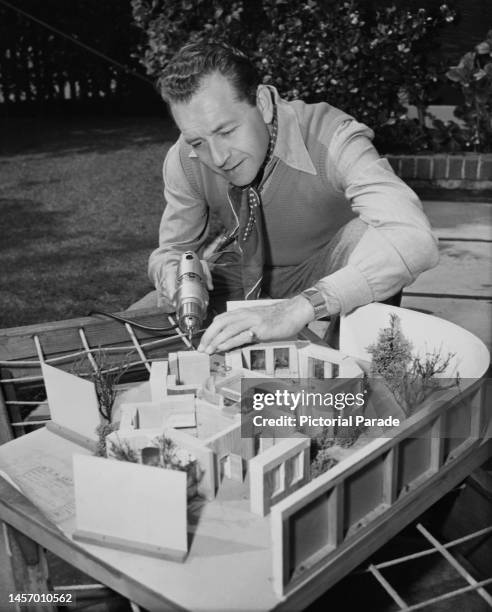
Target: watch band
(317,301)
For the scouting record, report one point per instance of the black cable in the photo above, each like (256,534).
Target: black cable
(133,323)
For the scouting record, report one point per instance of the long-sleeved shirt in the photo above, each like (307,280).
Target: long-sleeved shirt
(325,171)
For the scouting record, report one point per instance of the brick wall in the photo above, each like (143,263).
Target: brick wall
(467,171)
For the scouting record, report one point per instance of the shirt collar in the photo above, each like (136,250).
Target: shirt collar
(289,147)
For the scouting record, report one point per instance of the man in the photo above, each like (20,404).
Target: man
(316,216)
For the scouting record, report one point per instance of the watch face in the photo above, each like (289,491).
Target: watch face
(314,296)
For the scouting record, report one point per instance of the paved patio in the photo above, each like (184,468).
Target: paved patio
(459,289)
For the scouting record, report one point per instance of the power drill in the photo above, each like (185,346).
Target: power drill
(191,294)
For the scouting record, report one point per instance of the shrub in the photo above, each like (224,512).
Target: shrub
(358,60)
(168,25)
(344,53)
(473,75)
(410,136)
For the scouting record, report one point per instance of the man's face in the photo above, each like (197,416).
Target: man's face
(228,135)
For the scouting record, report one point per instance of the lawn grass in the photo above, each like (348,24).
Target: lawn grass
(80,205)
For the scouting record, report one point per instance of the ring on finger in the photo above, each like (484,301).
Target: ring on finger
(252,336)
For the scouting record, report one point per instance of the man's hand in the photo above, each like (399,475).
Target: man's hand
(167,289)
(276,322)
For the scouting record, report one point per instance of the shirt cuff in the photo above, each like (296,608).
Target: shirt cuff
(349,286)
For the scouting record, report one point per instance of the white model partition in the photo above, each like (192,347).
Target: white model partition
(360,329)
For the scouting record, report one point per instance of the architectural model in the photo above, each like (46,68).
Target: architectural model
(192,411)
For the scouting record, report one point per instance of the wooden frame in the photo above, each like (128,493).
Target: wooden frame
(261,493)
(67,343)
(375,466)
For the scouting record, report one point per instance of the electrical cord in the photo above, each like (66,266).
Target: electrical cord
(159,330)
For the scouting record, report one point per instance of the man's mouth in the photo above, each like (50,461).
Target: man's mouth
(233,167)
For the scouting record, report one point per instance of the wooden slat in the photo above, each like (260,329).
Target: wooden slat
(456,565)
(67,338)
(336,518)
(59,337)
(437,445)
(13,411)
(62,338)
(390,482)
(383,528)
(339,474)
(6,433)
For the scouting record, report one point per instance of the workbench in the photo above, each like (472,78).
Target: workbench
(229,565)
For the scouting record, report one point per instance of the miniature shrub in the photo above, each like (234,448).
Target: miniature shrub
(323,462)
(411,379)
(321,453)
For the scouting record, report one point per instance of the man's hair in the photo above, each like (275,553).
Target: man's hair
(183,75)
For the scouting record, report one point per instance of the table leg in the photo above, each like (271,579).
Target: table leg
(23,569)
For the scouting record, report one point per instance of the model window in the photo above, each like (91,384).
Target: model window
(296,466)
(258,361)
(317,368)
(281,358)
(277,475)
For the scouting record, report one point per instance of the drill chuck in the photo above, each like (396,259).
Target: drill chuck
(191,294)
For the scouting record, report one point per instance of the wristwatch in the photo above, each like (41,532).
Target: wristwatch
(317,301)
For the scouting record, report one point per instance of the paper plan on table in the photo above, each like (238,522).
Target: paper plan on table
(42,468)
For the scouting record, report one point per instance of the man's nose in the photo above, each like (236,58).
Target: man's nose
(219,154)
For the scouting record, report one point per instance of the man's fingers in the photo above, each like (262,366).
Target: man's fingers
(165,303)
(171,287)
(278,321)
(237,332)
(218,324)
(243,337)
(223,328)
(167,289)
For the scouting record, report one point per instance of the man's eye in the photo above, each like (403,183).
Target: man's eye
(226,132)
(196,144)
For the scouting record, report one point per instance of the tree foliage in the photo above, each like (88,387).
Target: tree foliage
(358,59)
(473,75)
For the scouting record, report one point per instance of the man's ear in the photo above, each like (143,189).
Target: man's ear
(264,103)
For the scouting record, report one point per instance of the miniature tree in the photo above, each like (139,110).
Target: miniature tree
(410,379)
(392,354)
(105,380)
